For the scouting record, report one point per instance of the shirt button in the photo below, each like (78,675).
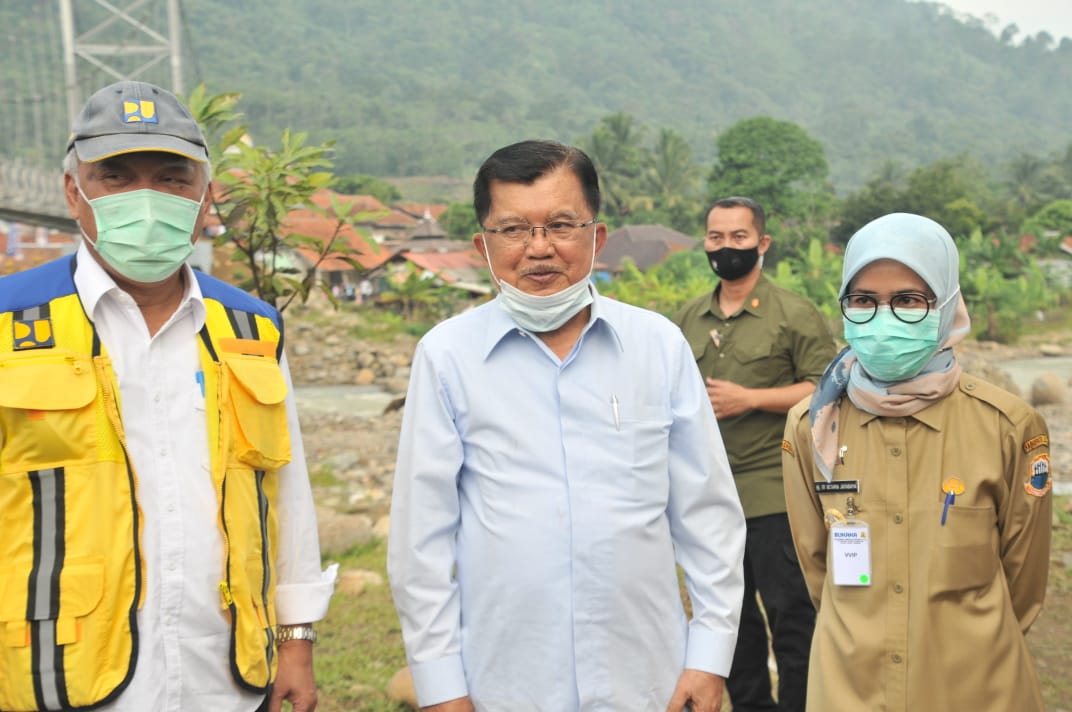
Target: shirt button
(722,355)
(163,452)
(896,657)
(895,451)
(898,588)
(898,518)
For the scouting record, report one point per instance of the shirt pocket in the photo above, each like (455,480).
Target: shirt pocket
(256,404)
(646,432)
(964,552)
(46,410)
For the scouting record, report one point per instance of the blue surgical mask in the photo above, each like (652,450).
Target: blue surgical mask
(891,350)
(543,313)
(144,235)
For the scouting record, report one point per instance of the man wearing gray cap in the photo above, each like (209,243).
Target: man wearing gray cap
(157,527)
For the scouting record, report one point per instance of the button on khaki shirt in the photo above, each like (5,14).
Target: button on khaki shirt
(941,627)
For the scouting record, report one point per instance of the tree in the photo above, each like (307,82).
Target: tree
(362,184)
(459,220)
(773,162)
(615,147)
(951,191)
(669,173)
(259,188)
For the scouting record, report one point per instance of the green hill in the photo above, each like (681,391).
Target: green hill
(420,88)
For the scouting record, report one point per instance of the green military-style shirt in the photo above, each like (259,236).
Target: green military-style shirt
(778,338)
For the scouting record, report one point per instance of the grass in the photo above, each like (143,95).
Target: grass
(360,646)
(1050,639)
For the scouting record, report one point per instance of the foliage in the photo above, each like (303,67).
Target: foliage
(1050,225)
(776,163)
(1002,287)
(666,286)
(816,275)
(416,88)
(615,147)
(459,220)
(363,184)
(416,293)
(260,187)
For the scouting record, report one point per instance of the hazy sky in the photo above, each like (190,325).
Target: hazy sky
(1031,16)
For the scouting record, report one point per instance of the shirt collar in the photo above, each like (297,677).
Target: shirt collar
(500,325)
(756,302)
(95,285)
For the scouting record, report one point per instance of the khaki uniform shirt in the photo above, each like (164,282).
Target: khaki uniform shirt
(941,627)
(778,338)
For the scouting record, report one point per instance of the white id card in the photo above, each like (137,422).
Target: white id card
(850,553)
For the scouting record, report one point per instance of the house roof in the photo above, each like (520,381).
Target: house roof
(419,210)
(647,245)
(457,267)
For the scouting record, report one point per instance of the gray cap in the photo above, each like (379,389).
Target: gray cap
(128,117)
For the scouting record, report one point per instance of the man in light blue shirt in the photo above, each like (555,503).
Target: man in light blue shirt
(558,453)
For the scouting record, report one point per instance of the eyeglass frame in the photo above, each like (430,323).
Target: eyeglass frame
(524,240)
(929,301)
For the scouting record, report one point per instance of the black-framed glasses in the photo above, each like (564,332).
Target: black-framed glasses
(556,231)
(909,307)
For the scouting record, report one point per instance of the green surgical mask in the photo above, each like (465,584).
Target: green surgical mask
(144,234)
(891,350)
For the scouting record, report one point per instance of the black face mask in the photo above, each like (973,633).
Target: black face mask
(730,263)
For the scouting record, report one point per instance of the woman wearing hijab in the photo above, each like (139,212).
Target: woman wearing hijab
(918,497)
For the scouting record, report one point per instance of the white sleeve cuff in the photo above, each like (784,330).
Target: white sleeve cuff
(305,602)
(439,680)
(710,651)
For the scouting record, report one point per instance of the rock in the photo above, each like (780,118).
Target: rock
(1047,389)
(355,582)
(341,532)
(382,527)
(365,377)
(301,349)
(1051,350)
(400,689)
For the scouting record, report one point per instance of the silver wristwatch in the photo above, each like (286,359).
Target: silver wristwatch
(284,633)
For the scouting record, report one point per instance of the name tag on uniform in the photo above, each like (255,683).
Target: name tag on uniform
(837,486)
(850,553)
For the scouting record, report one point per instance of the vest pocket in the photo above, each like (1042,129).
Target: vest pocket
(44,399)
(256,399)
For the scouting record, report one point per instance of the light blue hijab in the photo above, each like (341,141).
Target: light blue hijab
(920,244)
(927,249)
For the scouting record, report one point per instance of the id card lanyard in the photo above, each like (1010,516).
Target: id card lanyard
(850,549)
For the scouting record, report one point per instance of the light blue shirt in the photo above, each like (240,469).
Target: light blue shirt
(535,525)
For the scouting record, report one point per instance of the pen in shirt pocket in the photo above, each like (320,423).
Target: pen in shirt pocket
(200,378)
(616,412)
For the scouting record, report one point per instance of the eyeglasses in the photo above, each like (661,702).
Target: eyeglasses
(556,231)
(909,307)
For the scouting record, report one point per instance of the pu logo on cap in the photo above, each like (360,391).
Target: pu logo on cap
(139,112)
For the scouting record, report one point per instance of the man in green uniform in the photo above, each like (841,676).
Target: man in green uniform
(761,349)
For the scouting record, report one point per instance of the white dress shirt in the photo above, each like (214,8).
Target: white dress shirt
(538,508)
(183,636)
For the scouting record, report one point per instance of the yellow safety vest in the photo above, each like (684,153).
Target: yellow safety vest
(71,566)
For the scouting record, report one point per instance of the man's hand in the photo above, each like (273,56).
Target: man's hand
(728,399)
(462,704)
(701,691)
(294,681)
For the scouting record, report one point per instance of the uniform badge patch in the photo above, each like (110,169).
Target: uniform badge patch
(1039,482)
(32,334)
(787,446)
(1037,441)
